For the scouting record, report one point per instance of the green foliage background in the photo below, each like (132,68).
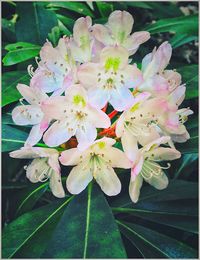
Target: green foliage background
(163,224)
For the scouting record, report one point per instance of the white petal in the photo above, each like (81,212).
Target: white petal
(108,180)
(129,143)
(159,182)
(101,33)
(120,125)
(32,95)
(87,74)
(70,157)
(134,188)
(37,170)
(27,115)
(164,153)
(98,97)
(154,144)
(98,118)
(79,177)
(57,134)
(55,185)
(86,137)
(34,136)
(25,153)
(117,158)
(121,99)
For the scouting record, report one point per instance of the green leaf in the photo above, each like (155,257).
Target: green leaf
(20,51)
(92,223)
(174,213)
(9,83)
(12,138)
(190,78)
(181,39)
(29,197)
(22,230)
(139,5)
(183,24)
(159,244)
(35,22)
(105,8)
(186,164)
(54,35)
(7,119)
(77,7)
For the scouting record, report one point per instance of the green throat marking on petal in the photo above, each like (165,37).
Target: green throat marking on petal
(112,63)
(135,107)
(121,36)
(101,145)
(77,99)
(84,40)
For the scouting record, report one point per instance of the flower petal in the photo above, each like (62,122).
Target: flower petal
(79,177)
(70,157)
(117,158)
(37,170)
(178,95)
(159,182)
(129,143)
(98,118)
(27,115)
(120,23)
(121,99)
(87,74)
(32,95)
(164,153)
(134,188)
(34,136)
(101,33)
(55,185)
(107,180)
(98,98)
(86,136)
(57,134)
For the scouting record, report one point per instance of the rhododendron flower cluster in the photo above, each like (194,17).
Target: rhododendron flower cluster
(71,91)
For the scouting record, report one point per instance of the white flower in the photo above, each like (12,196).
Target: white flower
(74,116)
(31,114)
(44,166)
(146,166)
(96,162)
(110,79)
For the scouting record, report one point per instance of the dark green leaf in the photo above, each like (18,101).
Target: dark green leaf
(105,8)
(161,245)
(183,24)
(54,35)
(180,39)
(139,5)
(29,197)
(77,7)
(35,22)
(12,138)
(92,223)
(18,233)
(9,83)
(190,78)
(20,51)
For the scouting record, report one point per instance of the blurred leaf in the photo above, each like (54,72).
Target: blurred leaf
(68,22)
(7,119)
(27,226)
(63,29)
(157,243)
(190,78)
(181,39)
(77,7)
(9,83)
(162,10)
(105,8)
(8,28)
(54,35)
(29,197)
(20,51)
(187,161)
(183,24)
(35,22)
(191,145)
(92,230)
(12,138)
(144,5)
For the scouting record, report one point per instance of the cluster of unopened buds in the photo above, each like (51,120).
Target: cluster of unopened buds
(72,89)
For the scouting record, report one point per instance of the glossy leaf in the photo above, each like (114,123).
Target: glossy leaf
(24,228)
(159,244)
(182,24)
(88,219)
(190,78)
(77,7)
(54,35)
(181,39)
(9,83)
(20,51)
(38,21)
(105,8)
